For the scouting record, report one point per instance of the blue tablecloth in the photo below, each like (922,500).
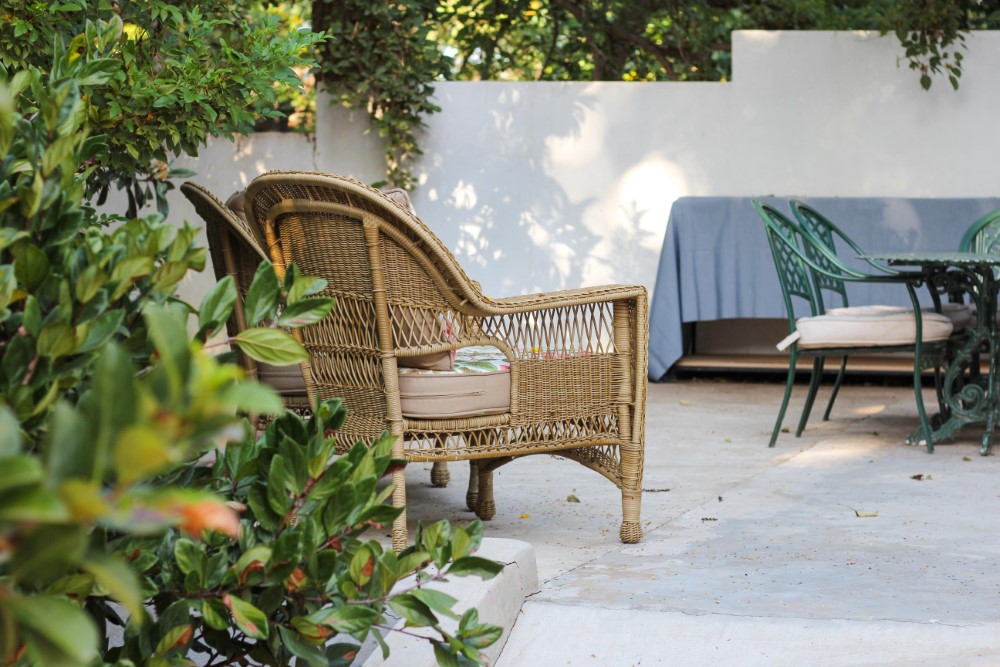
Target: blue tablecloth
(716,263)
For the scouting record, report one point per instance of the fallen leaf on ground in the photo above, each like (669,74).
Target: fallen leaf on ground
(685,402)
(727,440)
(917,477)
(572,499)
(865,514)
(525,516)
(966,458)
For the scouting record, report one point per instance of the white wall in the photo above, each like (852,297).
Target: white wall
(539,186)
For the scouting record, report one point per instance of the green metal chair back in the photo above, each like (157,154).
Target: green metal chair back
(823,231)
(983,236)
(793,275)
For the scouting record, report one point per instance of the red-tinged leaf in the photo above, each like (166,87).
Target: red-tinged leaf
(207,514)
(296,580)
(247,617)
(175,638)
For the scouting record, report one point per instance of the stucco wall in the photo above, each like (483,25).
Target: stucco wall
(539,186)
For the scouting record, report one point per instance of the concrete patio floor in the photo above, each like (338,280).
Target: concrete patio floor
(843,547)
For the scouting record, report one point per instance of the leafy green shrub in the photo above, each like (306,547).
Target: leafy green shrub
(177,73)
(107,405)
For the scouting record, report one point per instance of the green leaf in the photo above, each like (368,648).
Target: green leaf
(63,626)
(119,580)
(272,346)
(253,398)
(176,637)
(31,266)
(89,283)
(102,330)
(294,642)
(254,559)
(474,565)
(349,619)
(217,305)
(215,613)
(362,565)
(437,600)
(443,656)
(67,449)
(10,433)
(56,340)
(19,470)
(487,635)
(263,296)
(299,286)
(461,542)
(139,452)
(47,550)
(128,270)
(305,312)
(168,275)
(277,486)
(32,504)
(248,618)
(413,611)
(190,556)
(169,335)
(8,235)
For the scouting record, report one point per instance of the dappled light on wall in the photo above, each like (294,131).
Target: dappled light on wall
(630,220)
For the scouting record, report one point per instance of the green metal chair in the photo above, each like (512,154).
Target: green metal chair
(799,257)
(983,236)
(827,233)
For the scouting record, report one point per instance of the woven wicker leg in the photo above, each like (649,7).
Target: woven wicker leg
(486,509)
(631,485)
(440,476)
(472,494)
(399,536)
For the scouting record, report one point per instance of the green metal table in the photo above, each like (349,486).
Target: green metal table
(966,397)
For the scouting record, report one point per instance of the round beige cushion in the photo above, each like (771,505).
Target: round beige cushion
(960,314)
(870,330)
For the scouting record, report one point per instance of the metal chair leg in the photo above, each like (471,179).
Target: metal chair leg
(836,388)
(792,359)
(817,374)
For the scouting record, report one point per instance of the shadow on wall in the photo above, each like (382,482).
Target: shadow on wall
(510,224)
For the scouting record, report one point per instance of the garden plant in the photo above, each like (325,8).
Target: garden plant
(143,518)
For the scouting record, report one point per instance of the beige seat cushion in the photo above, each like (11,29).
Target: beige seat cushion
(866,330)
(286,380)
(477,385)
(960,314)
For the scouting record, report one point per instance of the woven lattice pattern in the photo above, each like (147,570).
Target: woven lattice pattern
(792,272)
(578,357)
(821,229)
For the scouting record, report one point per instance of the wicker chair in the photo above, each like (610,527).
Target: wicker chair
(577,377)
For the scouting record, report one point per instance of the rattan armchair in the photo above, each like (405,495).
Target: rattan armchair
(577,358)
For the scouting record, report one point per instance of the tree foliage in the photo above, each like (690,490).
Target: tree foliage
(383,57)
(178,73)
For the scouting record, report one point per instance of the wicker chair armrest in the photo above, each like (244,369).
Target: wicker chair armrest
(570,297)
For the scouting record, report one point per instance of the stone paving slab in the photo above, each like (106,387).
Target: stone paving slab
(757,555)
